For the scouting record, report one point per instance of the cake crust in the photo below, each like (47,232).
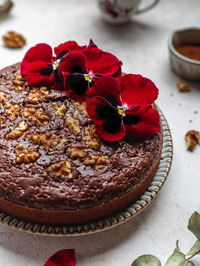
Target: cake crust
(54,168)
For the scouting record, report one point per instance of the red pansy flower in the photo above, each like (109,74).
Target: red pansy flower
(65,257)
(40,68)
(122,106)
(78,78)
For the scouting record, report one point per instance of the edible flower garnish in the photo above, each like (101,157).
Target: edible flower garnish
(65,257)
(122,107)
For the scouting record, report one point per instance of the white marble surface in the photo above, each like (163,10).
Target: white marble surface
(142,45)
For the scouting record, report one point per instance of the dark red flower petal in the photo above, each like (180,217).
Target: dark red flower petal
(36,66)
(137,90)
(65,257)
(75,86)
(108,123)
(147,123)
(66,47)
(102,63)
(107,87)
(73,62)
(92,44)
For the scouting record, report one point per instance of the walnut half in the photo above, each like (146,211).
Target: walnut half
(60,170)
(192,139)
(24,155)
(12,110)
(37,116)
(47,140)
(91,138)
(76,151)
(18,131)
(13,39)
(96,160)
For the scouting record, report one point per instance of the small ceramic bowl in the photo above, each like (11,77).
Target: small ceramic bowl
(182,65)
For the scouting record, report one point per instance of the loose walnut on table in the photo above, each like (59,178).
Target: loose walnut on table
(60,170)
(37,116)
(13,39)
(24,155)
(192,139)
(48,140)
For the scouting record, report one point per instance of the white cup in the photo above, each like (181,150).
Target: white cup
(120,11)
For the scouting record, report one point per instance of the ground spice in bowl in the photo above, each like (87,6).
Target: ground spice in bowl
(189,50)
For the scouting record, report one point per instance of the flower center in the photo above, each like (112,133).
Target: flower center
(56,64)
(122,109)
(89,77)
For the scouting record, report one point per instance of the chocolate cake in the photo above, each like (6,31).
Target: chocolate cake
(54,167)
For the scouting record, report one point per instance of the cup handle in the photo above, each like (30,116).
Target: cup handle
(139,11)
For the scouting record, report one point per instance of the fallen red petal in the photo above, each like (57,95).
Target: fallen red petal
(65,257)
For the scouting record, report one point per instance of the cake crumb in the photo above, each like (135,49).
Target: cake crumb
(183,86)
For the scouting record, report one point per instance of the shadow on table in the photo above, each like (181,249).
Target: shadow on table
(37,249)
(133,30)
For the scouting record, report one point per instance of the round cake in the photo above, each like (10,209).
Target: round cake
(54,167)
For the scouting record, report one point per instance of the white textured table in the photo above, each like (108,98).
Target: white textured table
(142,46)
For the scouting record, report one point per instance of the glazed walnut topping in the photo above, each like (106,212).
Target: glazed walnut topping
(76,151)
(91,138)
(18,131)
(3,98)
(60,111)
(37,116)
(37,95)
(12,110)
(60,170)
(13,39)
(73,125)
(98,162)
(192,139)
(81,108)
(18,83)
(24,155)
(48,140)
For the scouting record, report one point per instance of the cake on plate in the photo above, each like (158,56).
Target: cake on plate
(78,140)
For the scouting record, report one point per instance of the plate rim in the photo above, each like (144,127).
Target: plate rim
(115,219)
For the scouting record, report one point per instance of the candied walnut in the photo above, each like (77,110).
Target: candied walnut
(183,86)
(24,155)
(98,161)
(48,140)
(13,39)
(3,98)
(192,138)
(61,144)
(81,107)
(37,116)
(37,95)
(60,111)
(60,170)
(12,110)
(73,125)
(18,131)
(91,138)
(76,151)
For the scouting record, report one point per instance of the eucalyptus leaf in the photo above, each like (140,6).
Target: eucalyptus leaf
(190,263)
(177,258)
(194,224)
(195,248)
(146,260)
